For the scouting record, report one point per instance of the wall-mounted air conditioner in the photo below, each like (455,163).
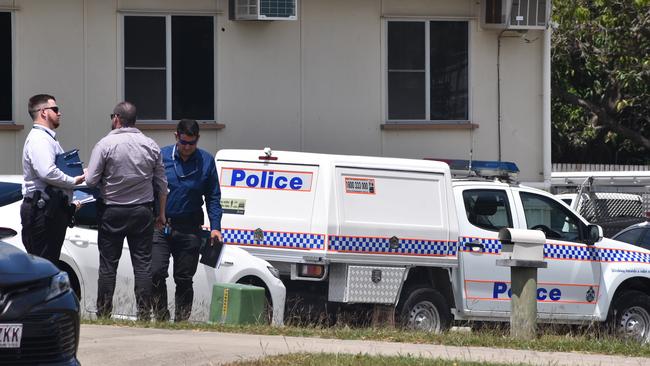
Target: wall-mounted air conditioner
(262,9)
(515,14)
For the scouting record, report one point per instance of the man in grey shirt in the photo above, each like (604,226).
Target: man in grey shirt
(126,165)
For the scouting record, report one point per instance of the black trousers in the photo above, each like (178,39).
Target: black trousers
(135,222)
(183,245)
(43,236)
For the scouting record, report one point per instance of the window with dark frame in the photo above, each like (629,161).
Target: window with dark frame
(189,72)
(436,90)
(6,54)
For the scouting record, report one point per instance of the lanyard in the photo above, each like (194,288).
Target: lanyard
(44,130)
(181,175)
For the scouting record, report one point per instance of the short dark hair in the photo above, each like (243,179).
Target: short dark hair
(36,102)
(187,127)
(126,113)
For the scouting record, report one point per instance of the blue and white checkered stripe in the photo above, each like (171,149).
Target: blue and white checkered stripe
(559,251)
(374,245)
(274,239)
(590,253)
(491,246)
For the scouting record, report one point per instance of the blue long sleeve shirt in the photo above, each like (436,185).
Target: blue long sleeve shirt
(190,182)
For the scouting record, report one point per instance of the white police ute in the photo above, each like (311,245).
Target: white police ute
(411,234)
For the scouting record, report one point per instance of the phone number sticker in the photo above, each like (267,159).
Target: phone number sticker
(359,185)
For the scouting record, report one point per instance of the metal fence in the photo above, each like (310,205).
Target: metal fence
(570,167)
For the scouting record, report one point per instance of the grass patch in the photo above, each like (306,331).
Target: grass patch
(557,339)
(318,359)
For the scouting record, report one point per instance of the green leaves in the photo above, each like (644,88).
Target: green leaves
(601,81)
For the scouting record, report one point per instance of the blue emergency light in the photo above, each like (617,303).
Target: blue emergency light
(482,168)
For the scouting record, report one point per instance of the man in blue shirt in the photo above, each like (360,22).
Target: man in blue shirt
(191,177)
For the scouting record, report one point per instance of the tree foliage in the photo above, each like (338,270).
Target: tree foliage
(601,81)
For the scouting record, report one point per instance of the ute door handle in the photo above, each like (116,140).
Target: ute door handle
(475,246)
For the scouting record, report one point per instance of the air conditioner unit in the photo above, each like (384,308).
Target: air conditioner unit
(262,9)
(515,14)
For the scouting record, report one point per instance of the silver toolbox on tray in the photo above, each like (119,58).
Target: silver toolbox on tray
(365,284)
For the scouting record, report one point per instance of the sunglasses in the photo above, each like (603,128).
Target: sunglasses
(183,142)
(54,109)
(113,115)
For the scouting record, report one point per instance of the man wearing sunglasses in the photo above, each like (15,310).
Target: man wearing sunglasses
(126,165)
(47,192)
(191,177)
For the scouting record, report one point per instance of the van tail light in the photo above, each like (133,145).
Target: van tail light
(311,270)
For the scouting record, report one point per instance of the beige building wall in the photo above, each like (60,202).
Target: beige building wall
(316,84)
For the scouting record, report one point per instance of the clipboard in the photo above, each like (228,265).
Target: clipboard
(210,253)
(69,163)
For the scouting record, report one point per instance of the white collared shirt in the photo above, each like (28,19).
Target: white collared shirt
(39,169)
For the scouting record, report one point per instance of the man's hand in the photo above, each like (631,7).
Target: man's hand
(79,179)
(160,221)
(77,205)
(215,236)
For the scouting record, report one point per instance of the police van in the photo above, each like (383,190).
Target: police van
(407,234)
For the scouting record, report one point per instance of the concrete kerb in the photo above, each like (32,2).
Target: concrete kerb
(146,346)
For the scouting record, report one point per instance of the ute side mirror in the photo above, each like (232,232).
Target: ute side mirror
(593,234)
(7,232)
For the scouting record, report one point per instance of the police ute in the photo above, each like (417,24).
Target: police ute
(411,236)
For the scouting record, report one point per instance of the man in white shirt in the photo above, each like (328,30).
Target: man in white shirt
(47,191)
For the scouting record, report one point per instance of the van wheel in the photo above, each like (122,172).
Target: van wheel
(631,316)
(425,309)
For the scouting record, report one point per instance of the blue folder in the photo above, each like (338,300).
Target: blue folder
(69,163)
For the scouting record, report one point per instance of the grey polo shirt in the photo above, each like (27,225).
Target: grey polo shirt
(126,165)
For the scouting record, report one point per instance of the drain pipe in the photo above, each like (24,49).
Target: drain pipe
(546,108)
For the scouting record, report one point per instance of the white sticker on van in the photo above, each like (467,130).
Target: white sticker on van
(359,185)
(282,180)
(233,206)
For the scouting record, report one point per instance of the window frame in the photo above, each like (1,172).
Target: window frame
(12,16)
(508,207)
(566,211)
(427,55)
(168,60)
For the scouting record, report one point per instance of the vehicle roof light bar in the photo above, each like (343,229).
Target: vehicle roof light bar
(482,168)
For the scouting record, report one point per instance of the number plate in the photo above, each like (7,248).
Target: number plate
(10,335)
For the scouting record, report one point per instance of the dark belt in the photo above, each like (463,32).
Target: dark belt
(190,220)
(132,205)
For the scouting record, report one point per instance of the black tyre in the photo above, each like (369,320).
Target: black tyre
(425,309)
(630,317)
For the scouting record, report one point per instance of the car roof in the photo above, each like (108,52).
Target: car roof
(643,224)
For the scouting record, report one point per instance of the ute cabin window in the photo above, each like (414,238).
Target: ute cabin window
(169,66)
(427,77)
(6,85)
(556,221)
(487,209)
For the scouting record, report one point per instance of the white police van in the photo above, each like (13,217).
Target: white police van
(402,232)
